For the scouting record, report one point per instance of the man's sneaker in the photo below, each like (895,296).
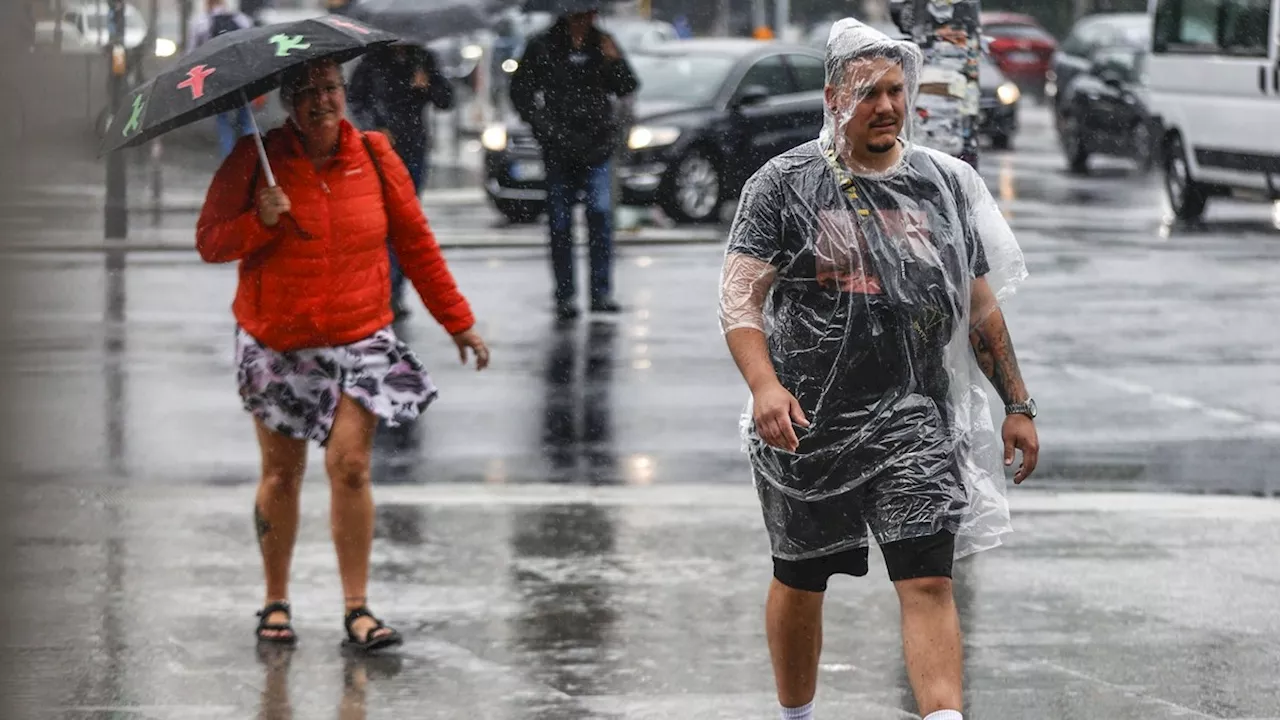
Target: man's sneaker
(566,310)
(605,305)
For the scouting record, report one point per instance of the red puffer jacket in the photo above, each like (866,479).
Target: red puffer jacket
(322,276)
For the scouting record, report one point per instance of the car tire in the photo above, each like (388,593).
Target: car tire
(1187,197)
(1073,145)
(693,189)
(1001,142)
(519,212)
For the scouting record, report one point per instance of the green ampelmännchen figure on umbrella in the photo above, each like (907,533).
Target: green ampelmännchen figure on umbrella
(229,70)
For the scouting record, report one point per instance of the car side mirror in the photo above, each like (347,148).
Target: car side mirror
(751,95)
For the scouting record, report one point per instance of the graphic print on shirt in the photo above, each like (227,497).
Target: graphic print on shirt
(841,249)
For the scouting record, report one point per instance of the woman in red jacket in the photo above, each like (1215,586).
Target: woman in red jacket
(318,359)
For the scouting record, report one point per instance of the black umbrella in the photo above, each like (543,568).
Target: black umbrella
(227,71)
(425,20)
(563,7)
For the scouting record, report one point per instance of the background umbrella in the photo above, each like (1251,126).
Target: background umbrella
(564,7)
(425,20)
(225,72)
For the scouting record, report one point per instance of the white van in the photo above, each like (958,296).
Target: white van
(1213,75)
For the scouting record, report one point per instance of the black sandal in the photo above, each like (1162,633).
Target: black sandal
(263,625)
(370,643)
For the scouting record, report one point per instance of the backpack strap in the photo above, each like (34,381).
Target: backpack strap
(377,166)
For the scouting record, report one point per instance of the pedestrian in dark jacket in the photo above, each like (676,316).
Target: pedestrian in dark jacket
(565,89)
(390,90)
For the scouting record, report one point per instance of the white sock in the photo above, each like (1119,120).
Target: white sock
(804,712)
(945,715)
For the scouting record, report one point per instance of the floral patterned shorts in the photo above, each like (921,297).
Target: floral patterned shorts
(296,393)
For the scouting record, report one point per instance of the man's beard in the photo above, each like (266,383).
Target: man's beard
(881,148)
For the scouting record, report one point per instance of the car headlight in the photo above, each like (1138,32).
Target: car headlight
(494,138)
(166,47)
(1008,93)
(472,52)
(510,66)
(643,136)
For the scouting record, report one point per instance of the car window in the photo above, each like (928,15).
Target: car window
(810,72)
(769,73)
(1020,32)
(1236,27)
(680,78)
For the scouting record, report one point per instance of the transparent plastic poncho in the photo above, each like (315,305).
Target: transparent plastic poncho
(863,292)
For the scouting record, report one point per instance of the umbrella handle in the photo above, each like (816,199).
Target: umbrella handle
(257,139)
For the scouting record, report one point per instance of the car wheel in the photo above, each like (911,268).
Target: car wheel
(1074,148)
(694,189)
(1187,197)
(519,212)
(1001,142)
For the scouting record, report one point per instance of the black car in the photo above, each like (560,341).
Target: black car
(1088,35)
(710,112)
(1104,111)
(998,102)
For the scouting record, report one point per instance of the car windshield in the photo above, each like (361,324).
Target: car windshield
(1021,32)
(680,78)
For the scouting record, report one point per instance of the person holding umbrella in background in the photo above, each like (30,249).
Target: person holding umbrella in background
(564,88)
(390,89)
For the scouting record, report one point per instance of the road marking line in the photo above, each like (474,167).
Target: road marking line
(1181,402)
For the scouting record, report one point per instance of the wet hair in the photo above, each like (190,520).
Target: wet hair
(297,77)
(838,64)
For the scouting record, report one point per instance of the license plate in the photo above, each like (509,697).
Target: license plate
(1023,57)
(523,170)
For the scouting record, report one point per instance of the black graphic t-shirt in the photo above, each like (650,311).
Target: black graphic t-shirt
(871,288)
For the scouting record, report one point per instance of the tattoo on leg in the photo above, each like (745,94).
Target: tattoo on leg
(260,522)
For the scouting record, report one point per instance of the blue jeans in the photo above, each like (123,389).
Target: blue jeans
(232,125)
(563,186)
(416,162)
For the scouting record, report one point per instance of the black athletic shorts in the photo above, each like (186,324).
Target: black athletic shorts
(927,556)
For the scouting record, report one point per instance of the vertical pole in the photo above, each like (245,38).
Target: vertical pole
(782,18)
(117,210)
(722,23)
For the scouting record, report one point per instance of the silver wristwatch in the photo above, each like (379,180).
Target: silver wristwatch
(1027,408)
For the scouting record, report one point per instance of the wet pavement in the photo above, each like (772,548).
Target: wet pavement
(572,534)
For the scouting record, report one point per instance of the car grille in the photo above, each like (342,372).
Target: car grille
(522,144)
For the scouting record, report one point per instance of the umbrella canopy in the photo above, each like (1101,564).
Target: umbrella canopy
(227,71)
(563,7)
(425,20)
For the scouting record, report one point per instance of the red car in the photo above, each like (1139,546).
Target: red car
(1020,47)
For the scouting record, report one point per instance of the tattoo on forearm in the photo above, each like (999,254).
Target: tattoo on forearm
(993,349)
(260,522)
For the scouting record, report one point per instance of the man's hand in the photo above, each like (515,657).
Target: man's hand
(1020,433)
(609,48)
(272,203)
(775,409)
(470,339)
(421,80)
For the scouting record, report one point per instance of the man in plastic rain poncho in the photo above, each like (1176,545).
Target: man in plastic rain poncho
(860,299)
